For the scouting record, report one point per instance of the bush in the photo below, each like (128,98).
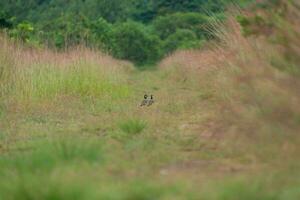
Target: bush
(101,34)
(134,43)
(5,21)
(23,31)
(181,39)
(167,25)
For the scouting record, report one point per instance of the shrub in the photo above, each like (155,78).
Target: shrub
(183,39)
(23,31)
(134,43)
(167,25)
(5,21)
(101,34)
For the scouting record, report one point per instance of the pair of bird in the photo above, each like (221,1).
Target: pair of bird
(147,101)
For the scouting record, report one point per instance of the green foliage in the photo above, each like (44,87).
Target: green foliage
(181,39)
(5,20)
(66,150)
(132,126)
(167,25)
(111,25)
(133,42)
(241,190)
(102,34)
(70,30)
(23,31)
(110,10)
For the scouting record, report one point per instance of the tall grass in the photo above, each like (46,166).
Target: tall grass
(253,85)
(253,98)
(80,79)
(29,74)
(7,65)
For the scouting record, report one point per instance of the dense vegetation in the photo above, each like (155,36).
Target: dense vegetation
(142,31)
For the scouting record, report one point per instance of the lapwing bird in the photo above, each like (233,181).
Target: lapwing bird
(151,101)
(145,101)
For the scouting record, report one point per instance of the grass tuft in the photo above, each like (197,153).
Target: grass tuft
(132,126)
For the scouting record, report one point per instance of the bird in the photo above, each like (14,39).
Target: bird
(145,101)
(151,101)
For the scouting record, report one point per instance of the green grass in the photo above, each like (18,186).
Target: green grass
(98,143)
(48,82)
(267,186)
(88,148)
(132,126)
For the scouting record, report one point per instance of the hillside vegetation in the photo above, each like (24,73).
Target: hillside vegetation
(225,123)
(142,31)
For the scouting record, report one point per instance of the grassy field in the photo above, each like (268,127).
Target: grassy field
(225,123)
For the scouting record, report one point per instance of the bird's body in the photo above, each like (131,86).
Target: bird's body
(144,102)
(147,101)
(150,102)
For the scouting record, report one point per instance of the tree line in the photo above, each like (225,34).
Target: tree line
(142,31)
